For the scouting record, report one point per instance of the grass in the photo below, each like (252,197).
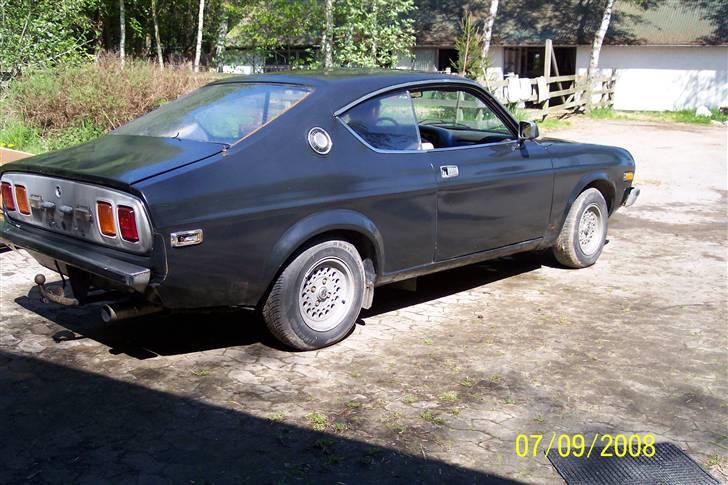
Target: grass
(409,399)
(277,417)
(339,427)
(431,418)
(449,396)
(467,382)
(318,421)
(713,460)
(681,116)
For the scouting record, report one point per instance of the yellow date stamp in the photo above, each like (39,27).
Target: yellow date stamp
(577,445)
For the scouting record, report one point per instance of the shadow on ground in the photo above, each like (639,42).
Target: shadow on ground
(62,425)
(183,333)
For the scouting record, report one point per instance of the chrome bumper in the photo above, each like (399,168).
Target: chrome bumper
(630,196)
(79,254)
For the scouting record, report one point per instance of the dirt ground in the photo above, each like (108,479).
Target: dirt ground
(432,386)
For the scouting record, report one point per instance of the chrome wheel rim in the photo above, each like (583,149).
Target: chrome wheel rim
(326,294)
(591,229)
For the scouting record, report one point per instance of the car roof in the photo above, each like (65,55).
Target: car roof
(343,86)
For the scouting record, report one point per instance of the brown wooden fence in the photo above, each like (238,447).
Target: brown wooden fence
(558,95)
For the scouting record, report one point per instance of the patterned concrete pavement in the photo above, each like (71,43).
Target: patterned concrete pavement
(432,386)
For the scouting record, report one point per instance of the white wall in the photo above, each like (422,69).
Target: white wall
(495,58)
(664,78)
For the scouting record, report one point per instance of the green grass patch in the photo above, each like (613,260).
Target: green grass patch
(680,116)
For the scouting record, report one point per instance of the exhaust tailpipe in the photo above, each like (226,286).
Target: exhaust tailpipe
(115,312)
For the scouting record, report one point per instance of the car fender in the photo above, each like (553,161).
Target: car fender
(599,177)
(321,223)
(591,178)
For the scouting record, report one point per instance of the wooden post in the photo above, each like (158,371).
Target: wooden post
(547,72)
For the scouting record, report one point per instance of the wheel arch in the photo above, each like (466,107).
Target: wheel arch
(344,224)
(599,181)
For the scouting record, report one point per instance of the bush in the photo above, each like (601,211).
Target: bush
(69,105)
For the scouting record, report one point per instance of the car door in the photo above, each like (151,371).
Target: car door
(493,190)
(395,187)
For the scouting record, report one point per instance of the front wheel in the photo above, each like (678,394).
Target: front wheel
(316,299)
(582,237)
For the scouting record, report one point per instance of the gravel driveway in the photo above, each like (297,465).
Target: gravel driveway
(432,386)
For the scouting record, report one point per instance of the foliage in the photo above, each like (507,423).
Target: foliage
(372,33)
(104,93)
(64,106)
(470,61)
(270,25)
(42,33)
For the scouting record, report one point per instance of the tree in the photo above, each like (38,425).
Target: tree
(198,46)
(596,49)
(373,33)
(470,62)
(269,26)
(160,59)
(122,31)
(43,33)
(488,34)
(327,38)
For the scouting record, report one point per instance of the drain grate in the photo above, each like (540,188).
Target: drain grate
(668,466)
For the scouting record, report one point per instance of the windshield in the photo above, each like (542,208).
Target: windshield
(221,113)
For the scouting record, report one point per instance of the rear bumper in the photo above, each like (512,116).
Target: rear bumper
(78,254)
(630,196)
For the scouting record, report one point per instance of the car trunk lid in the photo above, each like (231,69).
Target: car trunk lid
(119,160)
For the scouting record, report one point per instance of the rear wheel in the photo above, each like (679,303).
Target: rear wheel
(316,299)
(582,237)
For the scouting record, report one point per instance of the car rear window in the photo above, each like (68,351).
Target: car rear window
(221,113)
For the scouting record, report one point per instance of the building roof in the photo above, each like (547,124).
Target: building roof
(574,22)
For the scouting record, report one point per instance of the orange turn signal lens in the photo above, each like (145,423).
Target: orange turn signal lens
(21,197)
(105,213)
(628,176)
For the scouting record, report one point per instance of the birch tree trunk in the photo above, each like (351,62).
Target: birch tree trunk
(327,39)
(198,47)
(375,27)
(488,34)
(221,33)
(596,50)
(160,59)
(122,31)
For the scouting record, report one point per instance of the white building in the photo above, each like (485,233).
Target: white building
(671,56)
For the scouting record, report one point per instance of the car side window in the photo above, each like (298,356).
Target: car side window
(452,117)
(385,122)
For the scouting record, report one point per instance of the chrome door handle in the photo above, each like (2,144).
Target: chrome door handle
(449,171)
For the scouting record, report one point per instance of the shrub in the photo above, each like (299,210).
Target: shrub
(95,98)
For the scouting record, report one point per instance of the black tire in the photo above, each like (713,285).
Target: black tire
(299,313)
(569,250)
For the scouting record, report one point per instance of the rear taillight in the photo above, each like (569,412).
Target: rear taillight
(21,197)
(105,213)
(127,224)
(8,201)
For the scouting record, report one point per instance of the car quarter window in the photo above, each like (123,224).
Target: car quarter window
(386,122)
(452,117)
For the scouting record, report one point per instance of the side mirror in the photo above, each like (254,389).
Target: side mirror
(527,130)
